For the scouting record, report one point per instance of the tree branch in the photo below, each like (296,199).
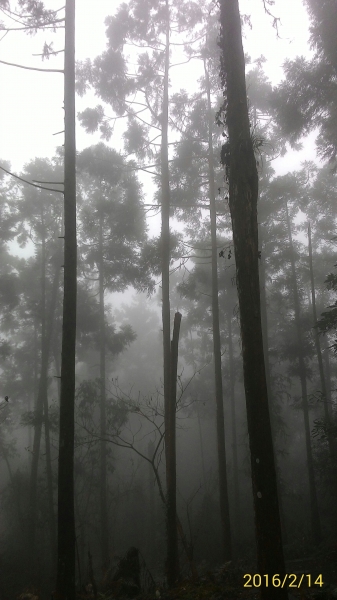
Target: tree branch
(32,68)
(29,182)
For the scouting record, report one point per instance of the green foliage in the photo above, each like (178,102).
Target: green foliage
(306,99)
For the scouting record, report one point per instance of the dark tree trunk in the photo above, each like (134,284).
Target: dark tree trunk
(314,513)
(233,427)
(151,508)
(243,193)
(15,487)
(41,407)
(171,478)
(220,422)
(42,393)
(65,586)
(331,442)
(328,377)
(103,479)
(201,444)
(172,546)
(51,523)
(264,319)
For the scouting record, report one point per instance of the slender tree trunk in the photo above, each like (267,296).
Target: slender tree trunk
(264,320)
(171,477)
(57,369)
(65,586)
(332,448)
(42,394)
(314,513)
(16,491)
(103,477)
(171,565)
(220,422)
(165,225)
(36,380)
(51,519)
(151,508)
(201,444)
(243,194)
(233,424)
(328,377)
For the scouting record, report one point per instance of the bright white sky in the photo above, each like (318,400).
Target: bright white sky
(31,102)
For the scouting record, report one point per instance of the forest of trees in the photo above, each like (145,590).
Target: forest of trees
(181,442)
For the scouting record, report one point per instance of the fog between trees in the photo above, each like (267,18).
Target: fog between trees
(172,482)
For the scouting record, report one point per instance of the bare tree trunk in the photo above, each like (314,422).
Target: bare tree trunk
(151,508)
(65,586)
(264,318)
(220,422)
(332,447)
(201,444)
(171,477)
(238,155)
(328,377)
(172,562)
(57,369)
(103,478)
(314,513)
(233,424)
(51,519)
(16,491)
(42,392)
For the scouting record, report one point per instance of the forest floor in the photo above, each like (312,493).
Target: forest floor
(227,582)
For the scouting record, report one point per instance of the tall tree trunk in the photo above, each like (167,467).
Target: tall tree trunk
(65,586)
(15,486)
(328,377)
(332,448)
(220,422)
(171,477)
(42,393)
(201,443)
(314,513)
(264,320)
(57,369)
(103,478)
(243,193)
(172,555)
(151,508)
(51,519)
(233,427)
(35,388)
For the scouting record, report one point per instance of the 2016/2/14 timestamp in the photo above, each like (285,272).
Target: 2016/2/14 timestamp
(292,580)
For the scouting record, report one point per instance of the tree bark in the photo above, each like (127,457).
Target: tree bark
(42,393)
(65,585)
(172,554)
(52,523)
(264,320)
(328,377)
(171,476)
(220,422)
(41,408)
(103,478)
(314,513)
(243,194)
(332,447)
(233,424)
(151,545)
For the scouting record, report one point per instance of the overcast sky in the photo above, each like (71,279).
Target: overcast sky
(31,102)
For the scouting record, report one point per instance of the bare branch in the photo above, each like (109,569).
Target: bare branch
(29,182)
(276,20)
(32,68)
